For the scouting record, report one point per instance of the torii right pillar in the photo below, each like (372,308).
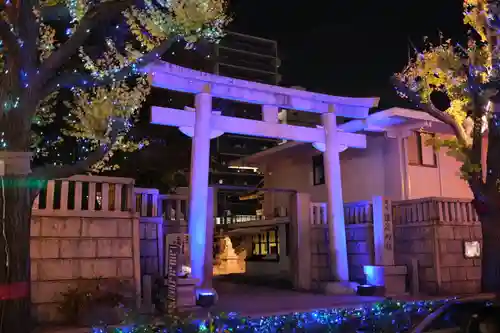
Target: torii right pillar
(335,205)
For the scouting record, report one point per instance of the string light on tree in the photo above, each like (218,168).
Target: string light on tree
(42,80)
(113,66)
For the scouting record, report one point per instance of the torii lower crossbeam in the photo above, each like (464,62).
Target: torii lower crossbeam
(183,118)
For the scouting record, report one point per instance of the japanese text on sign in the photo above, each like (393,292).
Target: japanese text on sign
(173,253)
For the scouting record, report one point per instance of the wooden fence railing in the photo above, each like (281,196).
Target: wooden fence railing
(430,210)
(434,210)
(79,194)
(318,213)
(359,212)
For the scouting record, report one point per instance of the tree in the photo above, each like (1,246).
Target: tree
(469,76)
(93,65)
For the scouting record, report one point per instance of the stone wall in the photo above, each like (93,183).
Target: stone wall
(359,236)
(320,254)
(415,242)
(359,239)
(159,216)
(433,231)
(458,274)
(95,240)
(66,251)
(150,230)
(360,251)
(151,245)
(426,236)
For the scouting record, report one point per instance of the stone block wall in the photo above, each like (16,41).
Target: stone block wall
(359,240)
(417,242)
(458,275)
(433,231)
(360,250)
(159,215)
(151,245)
(67,251)
(320,255)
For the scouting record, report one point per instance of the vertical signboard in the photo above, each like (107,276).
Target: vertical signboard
(388,230)
(172,268)
(383,231)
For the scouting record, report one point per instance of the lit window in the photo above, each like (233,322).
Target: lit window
(265,243)
(419,152)
(318,170)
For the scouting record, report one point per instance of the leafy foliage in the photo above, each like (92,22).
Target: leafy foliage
(77,301)
(83,68)
(464,74)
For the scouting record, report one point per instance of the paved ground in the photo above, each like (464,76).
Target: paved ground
(256,301)
(259,301)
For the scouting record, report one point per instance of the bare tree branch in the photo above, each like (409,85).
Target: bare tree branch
(81,80)
(432,110)
(475,153)
(64,171)
(8,36)
(102,12)
(10,40)
(27,25)
(10,9)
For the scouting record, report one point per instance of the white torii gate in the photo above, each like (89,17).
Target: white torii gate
(205,124)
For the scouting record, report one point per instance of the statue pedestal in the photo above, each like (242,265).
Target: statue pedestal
(392,278)
(186,292)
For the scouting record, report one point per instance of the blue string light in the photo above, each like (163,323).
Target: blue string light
(387,316)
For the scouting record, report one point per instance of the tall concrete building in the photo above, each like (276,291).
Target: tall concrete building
(242,57)
(253,59)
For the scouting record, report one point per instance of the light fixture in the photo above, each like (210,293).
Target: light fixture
(189,131)
(206,298)
(472,249)
(321,146)
(254,169)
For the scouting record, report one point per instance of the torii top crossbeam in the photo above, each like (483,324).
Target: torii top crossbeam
(205,124)
(173,77)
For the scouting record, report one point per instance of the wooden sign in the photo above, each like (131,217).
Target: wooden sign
(172,260)
(388,230)
(383,231)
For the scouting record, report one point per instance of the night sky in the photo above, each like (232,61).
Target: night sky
(348,47)
(345,48)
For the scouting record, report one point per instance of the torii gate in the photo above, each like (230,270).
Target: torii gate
(205,124)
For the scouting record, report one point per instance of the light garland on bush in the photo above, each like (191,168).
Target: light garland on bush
(388,316)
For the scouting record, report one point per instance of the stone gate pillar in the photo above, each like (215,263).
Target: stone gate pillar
(208,267)
(385,273)
(335,207)
(198,187)
(301,253)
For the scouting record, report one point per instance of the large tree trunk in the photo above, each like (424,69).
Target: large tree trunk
(16,197)
(15,214)
(490,263)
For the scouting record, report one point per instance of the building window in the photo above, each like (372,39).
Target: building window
(419,153)
(318,170)
(266,243)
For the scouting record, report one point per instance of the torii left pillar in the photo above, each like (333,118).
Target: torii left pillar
(335,206)
(200,211)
